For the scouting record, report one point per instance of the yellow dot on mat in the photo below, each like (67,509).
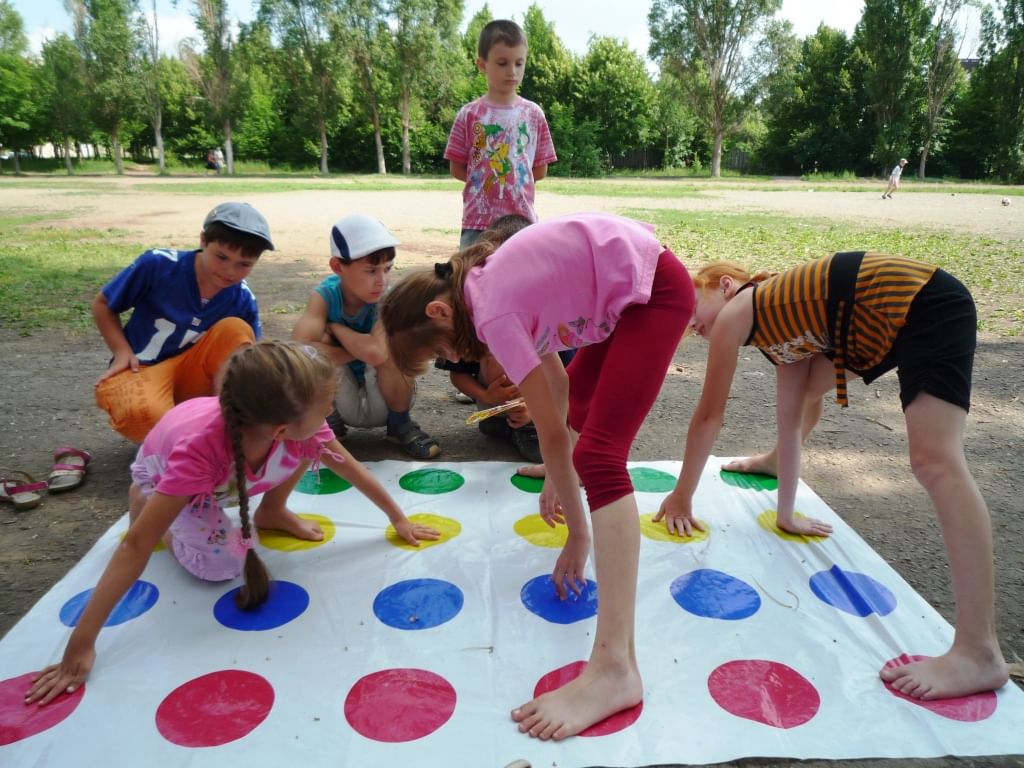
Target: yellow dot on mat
(658,531)
(446,526)
(285,542)
(769,521)
(540,534)
(159,545)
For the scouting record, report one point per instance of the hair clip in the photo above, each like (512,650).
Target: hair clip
(443,269)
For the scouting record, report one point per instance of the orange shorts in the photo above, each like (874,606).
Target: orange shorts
(136,401)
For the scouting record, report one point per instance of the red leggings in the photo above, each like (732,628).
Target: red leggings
(613,385)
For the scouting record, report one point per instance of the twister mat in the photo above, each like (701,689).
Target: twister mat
(370,653)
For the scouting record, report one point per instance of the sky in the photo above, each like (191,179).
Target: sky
(624,19)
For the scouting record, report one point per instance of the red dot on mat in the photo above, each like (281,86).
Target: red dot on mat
(555,679)
(19,720)
(967,709)
(764,691)
(214,709)
(399,704)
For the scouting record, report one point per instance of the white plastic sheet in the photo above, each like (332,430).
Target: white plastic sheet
(370,654)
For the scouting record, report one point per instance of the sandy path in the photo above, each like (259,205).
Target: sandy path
(427,221)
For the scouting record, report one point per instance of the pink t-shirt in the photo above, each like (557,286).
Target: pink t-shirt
(560,284)
(188,453)
(500,145)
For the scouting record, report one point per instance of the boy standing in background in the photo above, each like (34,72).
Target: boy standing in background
(499,145)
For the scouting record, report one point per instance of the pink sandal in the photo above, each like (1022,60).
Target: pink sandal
(68,469)
(23,495)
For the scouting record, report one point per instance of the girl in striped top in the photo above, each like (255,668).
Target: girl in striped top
(859,314)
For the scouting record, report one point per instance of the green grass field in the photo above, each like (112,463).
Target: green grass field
(49,275)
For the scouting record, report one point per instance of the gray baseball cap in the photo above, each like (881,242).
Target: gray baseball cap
(243,217)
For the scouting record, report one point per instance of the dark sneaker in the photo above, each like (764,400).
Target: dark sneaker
(336,424)
(415,441)
(526,442)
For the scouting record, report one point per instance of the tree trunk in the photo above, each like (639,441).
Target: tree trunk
(17,162)
(115,149)
(716,156)
(229,150)
(158,126)
(67,155)
(323,148)
(406,160)
(381,168)
(923,161)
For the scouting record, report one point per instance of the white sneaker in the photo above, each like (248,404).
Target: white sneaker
(462,397)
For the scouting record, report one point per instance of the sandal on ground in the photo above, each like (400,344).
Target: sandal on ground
(415,441)
(68,471)
(24,495)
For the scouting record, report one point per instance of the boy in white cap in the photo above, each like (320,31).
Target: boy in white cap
(894,178)
(190,311)
(341,321)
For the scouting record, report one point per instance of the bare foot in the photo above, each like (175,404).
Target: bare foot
(533,470)
(762,464)
(947,676)
(577,705)
(283,519)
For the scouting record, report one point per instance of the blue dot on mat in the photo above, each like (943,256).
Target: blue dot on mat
(715,595)
(140,597)
(418,603)
(285,602)
(852,592)
(539,597)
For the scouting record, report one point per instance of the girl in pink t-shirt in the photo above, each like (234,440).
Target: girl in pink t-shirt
(606,285)
(259,436)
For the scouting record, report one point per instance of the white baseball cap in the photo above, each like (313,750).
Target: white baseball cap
(358,235)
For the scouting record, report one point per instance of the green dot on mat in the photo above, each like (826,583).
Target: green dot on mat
(432,481)
(528,484)
(751,480)
(328,483)
(651,480)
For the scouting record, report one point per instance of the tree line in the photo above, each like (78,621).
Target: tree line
(373,85)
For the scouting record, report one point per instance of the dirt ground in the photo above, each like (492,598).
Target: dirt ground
(856,460)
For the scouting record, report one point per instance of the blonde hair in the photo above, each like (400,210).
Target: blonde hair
(413,338)
(267,383)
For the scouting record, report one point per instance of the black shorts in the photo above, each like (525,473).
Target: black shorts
(934,351)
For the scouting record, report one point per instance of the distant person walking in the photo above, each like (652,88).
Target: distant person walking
(894,178)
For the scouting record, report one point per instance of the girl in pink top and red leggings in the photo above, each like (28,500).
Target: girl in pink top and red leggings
(607,286)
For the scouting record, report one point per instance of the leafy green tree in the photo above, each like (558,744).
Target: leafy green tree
(705,44)
(891,38)
(944,73)
(550,66)
(815,115)
(147,41)
(679,133)
(17,106)
(311,62)
(215,69)
(62,94)
(421,30)
(1002,76)
(103,33)
(617,94)
(361,27)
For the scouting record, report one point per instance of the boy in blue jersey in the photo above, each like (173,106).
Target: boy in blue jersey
(341,320)
(190,311)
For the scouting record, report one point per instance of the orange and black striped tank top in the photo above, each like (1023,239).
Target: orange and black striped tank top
(790,317)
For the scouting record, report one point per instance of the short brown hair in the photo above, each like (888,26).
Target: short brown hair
(499,31)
